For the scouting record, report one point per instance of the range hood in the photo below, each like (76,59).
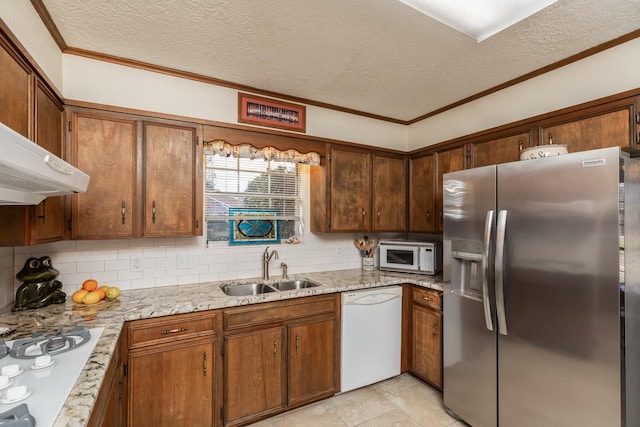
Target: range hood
(29,173)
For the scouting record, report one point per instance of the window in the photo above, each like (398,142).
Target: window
(251,184)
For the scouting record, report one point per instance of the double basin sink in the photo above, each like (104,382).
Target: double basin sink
(256,288)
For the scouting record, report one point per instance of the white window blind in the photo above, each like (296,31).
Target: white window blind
(232,182)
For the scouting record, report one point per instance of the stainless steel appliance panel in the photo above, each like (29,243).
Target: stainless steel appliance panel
(559,349)
(469,348)
(630,287)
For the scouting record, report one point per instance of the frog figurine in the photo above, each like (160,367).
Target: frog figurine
(39,287)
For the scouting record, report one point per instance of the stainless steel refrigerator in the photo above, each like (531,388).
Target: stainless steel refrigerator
(541,309)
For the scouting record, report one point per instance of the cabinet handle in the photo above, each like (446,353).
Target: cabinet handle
(426,298)
(275,348)
(297,343)
(433,329)
(174,331)
(123,206)
(204,364)
(153,212)
(41,217)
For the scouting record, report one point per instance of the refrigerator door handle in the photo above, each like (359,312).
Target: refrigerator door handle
(499,272)
(488,226)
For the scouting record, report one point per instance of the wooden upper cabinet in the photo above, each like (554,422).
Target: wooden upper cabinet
(350,190)
(145,177)
(422,213)
(500,150)
(105,148)
(609,129)
(172,162)
(16,81)
(359,191)
(31,109)
(389,193)
(49,214)
(447,161)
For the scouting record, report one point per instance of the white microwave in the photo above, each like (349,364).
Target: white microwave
(412,257)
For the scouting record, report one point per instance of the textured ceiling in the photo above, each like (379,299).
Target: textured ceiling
(376,56)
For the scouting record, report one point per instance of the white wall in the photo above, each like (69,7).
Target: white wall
(606,73)
(101,82)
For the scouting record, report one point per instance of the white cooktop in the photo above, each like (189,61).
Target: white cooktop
(50,386)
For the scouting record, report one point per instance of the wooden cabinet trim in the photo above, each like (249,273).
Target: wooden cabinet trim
(277,311)
(169,329)
(428,297)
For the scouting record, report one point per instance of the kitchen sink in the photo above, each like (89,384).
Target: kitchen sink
(246,289)
(287,285)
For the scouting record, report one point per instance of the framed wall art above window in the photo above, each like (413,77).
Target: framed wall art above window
(256,110)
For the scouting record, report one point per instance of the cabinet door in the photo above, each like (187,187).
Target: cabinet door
(389,193)
(447,161)
(426,360)
(104,147)
(312,360)
(170,181)
(422,214)
(171,385)
(611,129)
(253,375)
(49,215)
(350,190)
(500,150)
(15,97)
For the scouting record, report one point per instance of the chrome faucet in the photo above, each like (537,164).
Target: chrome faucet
(266,257)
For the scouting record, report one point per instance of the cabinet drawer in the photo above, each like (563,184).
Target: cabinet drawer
(278,311)
(429,297)
(169,328)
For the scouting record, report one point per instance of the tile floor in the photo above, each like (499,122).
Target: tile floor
(403,401)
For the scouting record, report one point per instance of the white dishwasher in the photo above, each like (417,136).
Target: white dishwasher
(371,336)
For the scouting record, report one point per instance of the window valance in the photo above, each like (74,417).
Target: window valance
(248,151)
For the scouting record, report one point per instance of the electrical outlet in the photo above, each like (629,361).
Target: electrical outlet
(136,264)
(184,262)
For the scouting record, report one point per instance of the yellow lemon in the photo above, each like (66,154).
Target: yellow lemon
(113,292)
(92,297)
(79,295)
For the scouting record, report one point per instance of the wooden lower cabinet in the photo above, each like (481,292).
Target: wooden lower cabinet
(254,367)
(311,360)
(109,409)
(279,355)
(426,343)
(172,366)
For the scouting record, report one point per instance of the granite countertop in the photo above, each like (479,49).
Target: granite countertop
(156,302)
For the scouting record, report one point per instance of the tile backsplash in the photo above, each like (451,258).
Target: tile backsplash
(148,263)
(7,276)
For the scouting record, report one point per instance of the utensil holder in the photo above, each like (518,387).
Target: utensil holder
(367,263)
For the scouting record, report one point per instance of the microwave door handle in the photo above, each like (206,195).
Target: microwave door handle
(499,272)
(486,246)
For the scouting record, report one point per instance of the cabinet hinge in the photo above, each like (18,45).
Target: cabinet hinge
(197,223)
(637,117)
(222,412)
(69,125)
(125,369)
(69,225)
(197,140)
(222,350)
(329,157)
